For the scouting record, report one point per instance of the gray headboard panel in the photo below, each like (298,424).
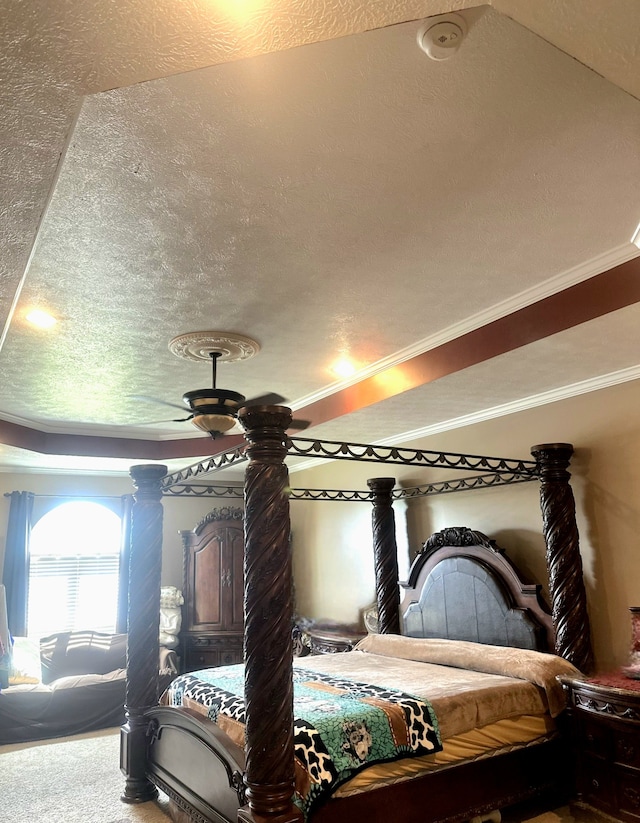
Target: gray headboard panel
(463,587)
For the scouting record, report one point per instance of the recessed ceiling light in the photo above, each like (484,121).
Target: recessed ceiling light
(636,237)
(343,367)
(41,319)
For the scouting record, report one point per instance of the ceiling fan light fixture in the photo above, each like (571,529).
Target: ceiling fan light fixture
(213,423)
(222,399)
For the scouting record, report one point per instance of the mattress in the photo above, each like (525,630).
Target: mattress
(486,699)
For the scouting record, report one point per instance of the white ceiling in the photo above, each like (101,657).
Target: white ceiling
(347,195)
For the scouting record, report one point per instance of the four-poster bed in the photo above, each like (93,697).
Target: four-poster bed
(212,778)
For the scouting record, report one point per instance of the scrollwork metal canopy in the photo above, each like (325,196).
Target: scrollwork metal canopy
(498,471)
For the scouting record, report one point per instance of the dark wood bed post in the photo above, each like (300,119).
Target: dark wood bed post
(143,646)
(385,552)
(268,605)
(566,585)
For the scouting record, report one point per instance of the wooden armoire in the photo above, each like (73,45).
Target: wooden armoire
(213,589)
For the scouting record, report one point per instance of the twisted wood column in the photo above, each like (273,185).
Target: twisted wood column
(143,648)
(385,552)
(566,584)
(268,605)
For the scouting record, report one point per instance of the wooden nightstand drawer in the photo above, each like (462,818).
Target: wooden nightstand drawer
(626,748)
(594,736)
(208,651)
(628,792)
(595,783)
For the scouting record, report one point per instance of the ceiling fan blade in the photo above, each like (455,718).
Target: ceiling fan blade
(146,399)
(152,422)
(270,399)
(299,425)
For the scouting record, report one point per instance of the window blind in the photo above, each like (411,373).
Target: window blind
(72,593)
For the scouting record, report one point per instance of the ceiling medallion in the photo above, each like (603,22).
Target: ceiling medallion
(198,345)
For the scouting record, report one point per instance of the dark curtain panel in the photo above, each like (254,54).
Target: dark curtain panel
(125,555)
(15,575)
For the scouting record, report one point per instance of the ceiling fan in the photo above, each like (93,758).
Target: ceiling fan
(214,410)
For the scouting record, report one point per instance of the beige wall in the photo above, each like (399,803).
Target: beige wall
(333,562)
(332,541)
(179,512)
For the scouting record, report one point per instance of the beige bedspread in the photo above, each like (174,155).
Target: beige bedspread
(499,682)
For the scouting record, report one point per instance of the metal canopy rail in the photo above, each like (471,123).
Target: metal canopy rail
(201,490)
(360,496)
(462,484)
(501,471)
(364,453)
(231,457)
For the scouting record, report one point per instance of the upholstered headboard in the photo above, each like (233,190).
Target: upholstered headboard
(463,587)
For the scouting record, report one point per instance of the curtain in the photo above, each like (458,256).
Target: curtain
(125,556)
(15,574)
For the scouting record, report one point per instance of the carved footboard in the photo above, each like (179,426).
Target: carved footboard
(195,764)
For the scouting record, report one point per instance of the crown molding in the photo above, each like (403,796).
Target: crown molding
(523,404)
(531,402)
(554,285)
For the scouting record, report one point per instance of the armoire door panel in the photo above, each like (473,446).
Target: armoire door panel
(207,595)
(233,593)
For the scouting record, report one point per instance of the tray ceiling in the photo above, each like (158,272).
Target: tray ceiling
(347,196)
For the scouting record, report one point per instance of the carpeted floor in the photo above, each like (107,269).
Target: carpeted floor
(70,780)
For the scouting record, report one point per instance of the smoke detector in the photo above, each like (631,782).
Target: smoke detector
(440,37)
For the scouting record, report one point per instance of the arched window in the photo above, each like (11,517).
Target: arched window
(74,569)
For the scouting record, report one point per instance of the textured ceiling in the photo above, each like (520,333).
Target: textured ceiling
(348,195)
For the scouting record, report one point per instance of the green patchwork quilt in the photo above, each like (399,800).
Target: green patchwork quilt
(340,726)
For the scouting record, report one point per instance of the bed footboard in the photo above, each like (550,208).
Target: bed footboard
(196,764)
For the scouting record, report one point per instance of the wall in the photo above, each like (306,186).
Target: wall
(332,541)
(179,512)
(333,563)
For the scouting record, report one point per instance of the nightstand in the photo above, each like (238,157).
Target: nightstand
(604,714)
(331,641)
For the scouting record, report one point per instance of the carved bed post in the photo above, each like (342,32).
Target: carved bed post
(143,647)
(268,606)
(386,554)
(566,585)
